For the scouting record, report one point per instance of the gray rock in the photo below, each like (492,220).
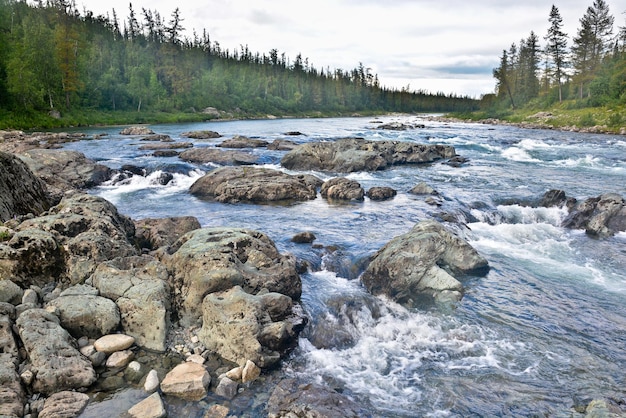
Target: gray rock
(341,188)
(21,192)
(65,404)
(155,233)
(303,237)
(93,316)
(215,259)
(207,155)
(137,130)
(381,193)
(423,188)
(239,326)
(601,216)
(420,263)
(161,146)
(64,170)
(255,185)
(56,363)
(201,134)
(226,388)
(357,154)
(10,292)
(291,398)
(239,141)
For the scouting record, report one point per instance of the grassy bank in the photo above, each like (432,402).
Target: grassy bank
(564,116)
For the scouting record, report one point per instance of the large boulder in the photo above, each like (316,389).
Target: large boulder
(188,381)
(84,313)
(601,216)
(68,242)
(215,259)
(253,184)
(357,154)
(57,365)
(239,141)
(421,263)
(240,326)
(206,155)
(64,170)
(21,192)
(139,287)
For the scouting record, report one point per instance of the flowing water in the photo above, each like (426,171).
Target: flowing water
(543,331)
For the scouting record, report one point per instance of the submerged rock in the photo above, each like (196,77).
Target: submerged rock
(291,398)
(420,263)
(57,364)
(357,154)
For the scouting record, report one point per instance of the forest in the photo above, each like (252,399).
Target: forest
(55,60)
(588,70)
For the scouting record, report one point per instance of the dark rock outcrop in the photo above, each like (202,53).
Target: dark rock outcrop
(21,192)
(56,364)
(155,233)
(381,193)
(63,170)
(420,263)
(600,216)
(256,185)
(201,134)
(292,398)
(357,154)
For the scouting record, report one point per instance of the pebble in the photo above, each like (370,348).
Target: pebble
(113,342)
(152,381)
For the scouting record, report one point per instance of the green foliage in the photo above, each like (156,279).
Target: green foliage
(51,57)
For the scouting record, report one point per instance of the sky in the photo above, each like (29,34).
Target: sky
(437,46)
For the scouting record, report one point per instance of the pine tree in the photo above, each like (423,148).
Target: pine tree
(556,48)
(591,43)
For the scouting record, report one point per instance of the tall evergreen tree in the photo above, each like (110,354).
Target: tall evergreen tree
(556,49)
(591,43)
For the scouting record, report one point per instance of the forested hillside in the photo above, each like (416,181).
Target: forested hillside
(585,70)
(55,58)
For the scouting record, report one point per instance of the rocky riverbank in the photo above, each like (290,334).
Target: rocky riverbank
(92,300)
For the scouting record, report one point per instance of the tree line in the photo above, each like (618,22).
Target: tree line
(592,70)
(53,57)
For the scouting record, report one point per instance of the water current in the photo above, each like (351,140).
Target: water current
(543,331)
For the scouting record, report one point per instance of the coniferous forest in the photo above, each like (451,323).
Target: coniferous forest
(587,69)
(55,59)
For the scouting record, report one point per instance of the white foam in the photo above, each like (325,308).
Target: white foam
(518,154)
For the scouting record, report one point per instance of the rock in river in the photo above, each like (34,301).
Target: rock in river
(420,262)
(357,154)
(253,184)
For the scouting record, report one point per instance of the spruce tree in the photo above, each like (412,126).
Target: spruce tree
(556,48)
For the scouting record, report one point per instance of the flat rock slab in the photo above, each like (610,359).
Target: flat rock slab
(206,155)
(57,364)
(254,185)
(151,407)
(357,154)
(188,381)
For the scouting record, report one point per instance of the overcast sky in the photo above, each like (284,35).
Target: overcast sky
(448,46)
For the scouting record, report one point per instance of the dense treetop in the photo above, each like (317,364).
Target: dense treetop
(53,57)
(588,68)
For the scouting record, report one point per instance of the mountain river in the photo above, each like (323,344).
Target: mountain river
(542,332)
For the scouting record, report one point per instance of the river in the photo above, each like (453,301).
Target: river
(543,331)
